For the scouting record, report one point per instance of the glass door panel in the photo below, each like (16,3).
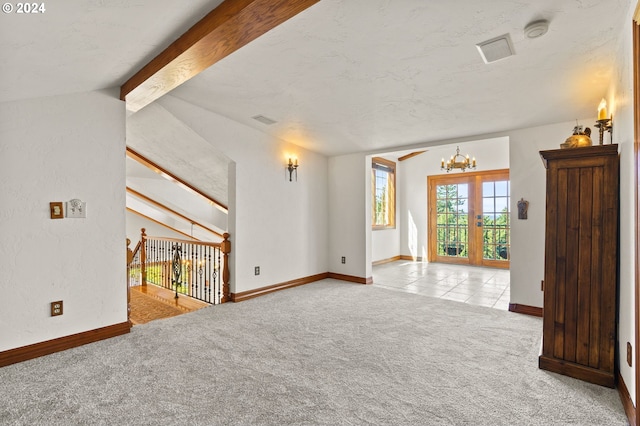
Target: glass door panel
(495,226)
(452,228)
(469,218)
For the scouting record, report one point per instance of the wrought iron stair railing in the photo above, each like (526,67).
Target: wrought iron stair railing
(192,268)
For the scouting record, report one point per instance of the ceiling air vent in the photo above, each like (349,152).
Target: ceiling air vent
(495,49)
(264,120)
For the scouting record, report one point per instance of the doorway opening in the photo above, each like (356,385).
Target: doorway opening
(469,218)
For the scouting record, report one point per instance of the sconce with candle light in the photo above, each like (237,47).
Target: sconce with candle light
(292,167)
(604,123)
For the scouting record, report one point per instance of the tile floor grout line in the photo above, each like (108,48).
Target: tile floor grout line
(455,282)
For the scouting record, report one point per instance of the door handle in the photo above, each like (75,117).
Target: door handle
(478,223)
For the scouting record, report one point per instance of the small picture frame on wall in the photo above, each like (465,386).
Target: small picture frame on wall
(56,210)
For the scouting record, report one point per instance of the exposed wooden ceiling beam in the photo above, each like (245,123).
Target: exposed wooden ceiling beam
(170,176)
(413,154)
(228,27)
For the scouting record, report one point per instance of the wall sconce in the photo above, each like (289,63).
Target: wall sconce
(603,123)
(291,168)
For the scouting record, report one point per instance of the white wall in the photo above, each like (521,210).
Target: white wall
(278,225)
(528,181)
(350,215)
(385,243)
(56,149)
(620,99)
(490,154)
(136,222)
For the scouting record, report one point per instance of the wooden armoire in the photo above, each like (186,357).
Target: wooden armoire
(581,257)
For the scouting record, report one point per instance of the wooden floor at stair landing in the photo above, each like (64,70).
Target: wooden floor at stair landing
(151,302)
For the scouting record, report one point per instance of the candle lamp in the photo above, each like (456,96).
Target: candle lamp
(291,168)
(603,123)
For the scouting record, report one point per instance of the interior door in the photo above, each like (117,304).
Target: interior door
(469,218)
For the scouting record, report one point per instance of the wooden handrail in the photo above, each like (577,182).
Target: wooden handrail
(135,249)
(163,207)
(150,219)
(176,240)
(170,176)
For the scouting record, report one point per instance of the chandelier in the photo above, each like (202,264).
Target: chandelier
(458,162)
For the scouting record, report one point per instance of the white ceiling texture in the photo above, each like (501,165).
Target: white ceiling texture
(344,75)
(354,75)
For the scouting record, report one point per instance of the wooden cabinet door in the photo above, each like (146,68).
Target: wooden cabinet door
(581,263)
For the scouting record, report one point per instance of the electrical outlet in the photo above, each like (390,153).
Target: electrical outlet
(56,308)
(257,270)
(629,354)
(344,259)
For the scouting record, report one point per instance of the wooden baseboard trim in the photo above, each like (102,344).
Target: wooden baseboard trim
(383,261)
(415,259)
(577,371)
(351,278)
(627,403)
(250,294)
(525,309)
(48,347)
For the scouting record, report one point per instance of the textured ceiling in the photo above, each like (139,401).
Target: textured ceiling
(354,75)
(344,75)
(84,45)
(159,136)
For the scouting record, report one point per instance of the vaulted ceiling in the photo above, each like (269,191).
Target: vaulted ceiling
(343,75)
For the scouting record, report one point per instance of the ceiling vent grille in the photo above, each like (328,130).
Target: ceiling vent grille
(264,120)
(495,49)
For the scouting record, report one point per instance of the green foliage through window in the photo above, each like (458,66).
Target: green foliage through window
(383,188)
(452,208)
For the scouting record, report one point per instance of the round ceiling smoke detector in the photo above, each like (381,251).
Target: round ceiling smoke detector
(536,29)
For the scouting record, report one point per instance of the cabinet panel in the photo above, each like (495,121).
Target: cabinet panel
(580,263)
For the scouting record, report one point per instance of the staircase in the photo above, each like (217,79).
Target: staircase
(167,277)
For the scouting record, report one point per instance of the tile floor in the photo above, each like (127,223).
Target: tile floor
(469,284)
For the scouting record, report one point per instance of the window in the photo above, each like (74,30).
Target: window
(383,189)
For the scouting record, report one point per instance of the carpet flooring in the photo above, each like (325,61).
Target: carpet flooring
(327,353)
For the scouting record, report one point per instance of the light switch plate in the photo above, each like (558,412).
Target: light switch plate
(76,209)
(56,210)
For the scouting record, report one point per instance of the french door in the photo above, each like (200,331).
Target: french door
(469,218)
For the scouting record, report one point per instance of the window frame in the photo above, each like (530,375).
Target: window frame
(388,166)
